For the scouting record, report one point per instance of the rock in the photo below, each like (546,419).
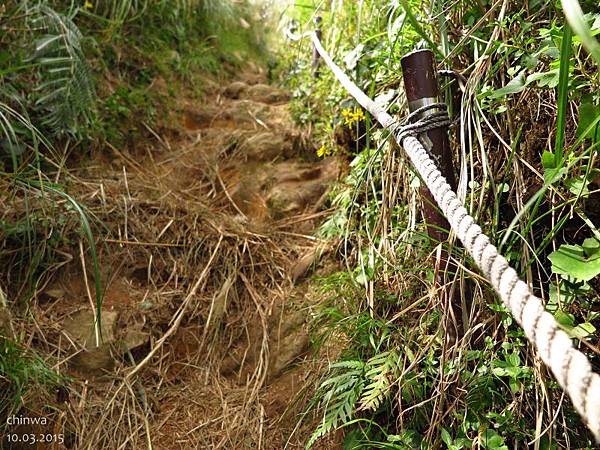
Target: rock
(95,361)
(94,358)
(81,327)
(291,348)
(288,339)
(303,264)
(98,358)
(293,197)
(199,119)
(235,89)
(264,93)
(134,337)
(55,293)
(267,146)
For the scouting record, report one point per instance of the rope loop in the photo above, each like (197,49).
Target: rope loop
(422,120)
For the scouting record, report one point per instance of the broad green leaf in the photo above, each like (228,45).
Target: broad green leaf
(582,330)
(513,359)
(578,186)
(571,260)
(591,246)
(544,79)
(548,160)
(515,385)
(446,437)
(562,297)
(553,175)
(564,319)
(491,440)
(514,86)
(503,187)
(588,112)
(394,438)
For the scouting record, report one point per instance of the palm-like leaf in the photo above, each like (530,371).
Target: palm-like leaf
(65,92)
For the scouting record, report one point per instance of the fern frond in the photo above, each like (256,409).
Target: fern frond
(65,92)
(120,11)
(382,370)
(338,397)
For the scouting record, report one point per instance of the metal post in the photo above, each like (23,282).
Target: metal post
(316,58)
(421,86)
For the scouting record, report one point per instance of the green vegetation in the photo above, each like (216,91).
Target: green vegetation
(92,83)
(526,145)
(76,79)
(21,372)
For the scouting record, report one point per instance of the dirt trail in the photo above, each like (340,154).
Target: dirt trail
(209,238)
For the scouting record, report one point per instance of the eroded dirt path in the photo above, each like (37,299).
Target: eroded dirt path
(208,237)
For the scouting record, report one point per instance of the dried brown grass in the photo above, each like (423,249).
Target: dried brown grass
(213,278)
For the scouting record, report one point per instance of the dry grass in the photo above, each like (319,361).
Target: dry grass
(215,282)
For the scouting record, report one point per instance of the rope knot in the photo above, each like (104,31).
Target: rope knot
(417,122)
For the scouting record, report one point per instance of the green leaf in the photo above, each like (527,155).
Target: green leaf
(582,330)
(362,278)
(352,440)
(446,437)
(552,170)
(553,175)
(515,385)
(492,441)
(514,86)
(513,359)
(548,160)
(578,186)
(559,296)
(591,246)
(562,81)
(544,79)
(565,320)
(571,260)
(588,114)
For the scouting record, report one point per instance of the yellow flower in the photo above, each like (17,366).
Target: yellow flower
(352,116)
(88,5)
(323,151)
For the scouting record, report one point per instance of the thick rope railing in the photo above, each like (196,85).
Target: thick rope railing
(570,367)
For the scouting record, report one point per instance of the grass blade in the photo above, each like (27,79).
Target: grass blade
(563,94)
(576,19)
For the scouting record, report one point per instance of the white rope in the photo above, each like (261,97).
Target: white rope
(570,367)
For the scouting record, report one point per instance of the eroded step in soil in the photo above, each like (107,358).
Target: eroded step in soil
(239,114)
(258,92)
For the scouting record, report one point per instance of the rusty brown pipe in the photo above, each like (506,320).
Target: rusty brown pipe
(421,86)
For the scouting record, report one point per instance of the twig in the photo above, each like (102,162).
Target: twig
(89,294)
(180,314)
